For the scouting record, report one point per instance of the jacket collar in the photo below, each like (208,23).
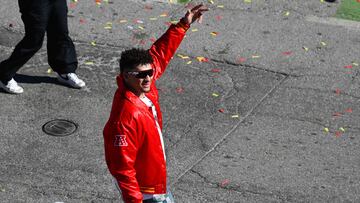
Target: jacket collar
(129,95)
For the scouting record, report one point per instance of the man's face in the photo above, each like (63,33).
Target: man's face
(139,79)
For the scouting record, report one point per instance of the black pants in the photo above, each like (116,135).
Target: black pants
(40,17)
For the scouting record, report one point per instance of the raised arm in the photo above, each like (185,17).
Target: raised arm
(165,47)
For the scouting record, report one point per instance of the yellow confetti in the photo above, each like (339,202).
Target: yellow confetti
(174,21)
(322,1)
(323,43)
(164,15)
(287,13)
(220,6)
(247,1)
(189,62)
(75,1)
(305,48)
(342,129)
(140,27)
(106,1)
(2,190)
(183,56)
(355,64)
(211,1)
(93,43)
(215,94)
(108,25)
(122,21)
(194,30)
(89,63)
(49,71)
(152,18)
(326,130)
(255,56)
(214,33)
(235,116)
(201,59)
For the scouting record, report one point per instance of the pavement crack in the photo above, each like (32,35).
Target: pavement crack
(230,131)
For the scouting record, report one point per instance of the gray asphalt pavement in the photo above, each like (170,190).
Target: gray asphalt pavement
(272,116)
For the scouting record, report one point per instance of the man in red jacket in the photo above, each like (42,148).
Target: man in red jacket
(134,147)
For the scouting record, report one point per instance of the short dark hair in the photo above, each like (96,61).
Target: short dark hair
(132,58)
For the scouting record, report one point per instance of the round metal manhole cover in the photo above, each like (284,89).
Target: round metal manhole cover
(60,127)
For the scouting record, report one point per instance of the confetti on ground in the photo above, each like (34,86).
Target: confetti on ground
(108,26)
(141,28)
(122,21)
(93,43)
(355,64)
(305,48)
(224,183)
(89,63)
(194,30)
(82,21)
(241,59)
(287,13)
(326,130)
(179,90)
(218,17)
(255,56)
(349,110)
(247,1)
(342,129)
(348,66)
(323,43)
(211,1)
(163,15)
(235,116)
(189,62)
(337,114)
(337,133)
(286,53)
(220,6)
(215,70)
(215,94)
(49,71)
(152,18)
(202,59)
(98,2)
(337,91)
(183,56)
(221,110)
(139,21)
(214,33)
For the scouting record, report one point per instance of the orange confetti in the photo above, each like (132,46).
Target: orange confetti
(349,110)
(202,59)
(214,33)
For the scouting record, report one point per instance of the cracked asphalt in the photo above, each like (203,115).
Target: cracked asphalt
(273,116)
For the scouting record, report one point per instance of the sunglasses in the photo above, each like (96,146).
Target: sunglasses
(141,74)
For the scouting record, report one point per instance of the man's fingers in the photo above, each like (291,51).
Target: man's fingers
(196,8)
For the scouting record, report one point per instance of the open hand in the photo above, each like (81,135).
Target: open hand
(195,14)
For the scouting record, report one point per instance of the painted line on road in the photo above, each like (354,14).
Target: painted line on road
(335,22)
(229,132)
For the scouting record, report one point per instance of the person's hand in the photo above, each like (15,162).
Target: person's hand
(195,14)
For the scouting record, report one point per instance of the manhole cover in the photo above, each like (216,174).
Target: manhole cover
(60,127)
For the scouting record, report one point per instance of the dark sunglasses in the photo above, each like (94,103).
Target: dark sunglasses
(142,74)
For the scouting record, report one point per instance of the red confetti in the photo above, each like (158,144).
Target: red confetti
(221,110)
(152,39)
(179,90)
(82,21)
(337,133)
(72,5)
(349,110)
(224,183)
(215,70)
(287,53)
(348,66)
(241,59)
(218,17)
(337,91)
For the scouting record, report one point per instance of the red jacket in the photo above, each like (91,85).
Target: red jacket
(133,148)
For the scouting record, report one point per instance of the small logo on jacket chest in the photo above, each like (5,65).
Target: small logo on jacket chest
(120,141)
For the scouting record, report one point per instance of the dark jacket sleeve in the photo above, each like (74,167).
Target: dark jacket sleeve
(164,48)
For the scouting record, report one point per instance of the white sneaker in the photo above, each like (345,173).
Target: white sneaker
(12,87)
(72,80)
